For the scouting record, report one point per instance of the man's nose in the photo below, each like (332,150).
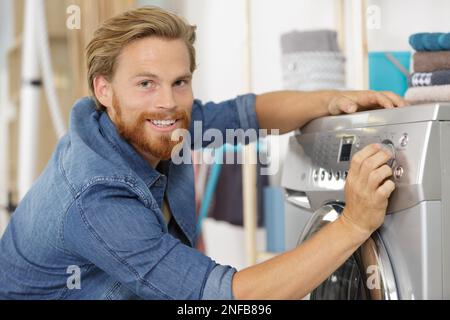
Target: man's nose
(165,99)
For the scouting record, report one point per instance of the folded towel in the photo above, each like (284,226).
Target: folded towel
(416,42)
(444,41)
(431,61)
(428,94)
(316,40)
(426,41)
(435,78)
(313,70)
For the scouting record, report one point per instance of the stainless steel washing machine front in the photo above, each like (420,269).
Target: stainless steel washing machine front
(409,256)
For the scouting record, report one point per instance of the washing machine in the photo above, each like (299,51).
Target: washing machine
(408,257)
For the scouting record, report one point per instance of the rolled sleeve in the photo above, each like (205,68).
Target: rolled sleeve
(218,286)
(246,111)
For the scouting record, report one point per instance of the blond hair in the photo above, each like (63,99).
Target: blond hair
(113,34)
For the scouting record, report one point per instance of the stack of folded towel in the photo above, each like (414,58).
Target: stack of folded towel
(431,78)
(311,60)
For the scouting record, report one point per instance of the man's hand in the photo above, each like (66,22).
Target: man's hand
(367,189)
(290,110)
(352,101)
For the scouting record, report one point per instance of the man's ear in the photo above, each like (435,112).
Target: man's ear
(103,91)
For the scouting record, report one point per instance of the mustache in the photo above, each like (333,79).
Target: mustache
(172,115)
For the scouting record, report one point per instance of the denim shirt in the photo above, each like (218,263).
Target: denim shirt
(91,226)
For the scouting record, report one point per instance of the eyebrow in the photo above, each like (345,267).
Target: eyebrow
(154,76)
(145,74)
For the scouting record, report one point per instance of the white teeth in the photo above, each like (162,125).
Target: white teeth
(163,123)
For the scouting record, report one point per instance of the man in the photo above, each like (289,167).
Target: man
(111,217)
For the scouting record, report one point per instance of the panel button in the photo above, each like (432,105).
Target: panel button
(315,175)
(337,175)
(404,140)
(398,172)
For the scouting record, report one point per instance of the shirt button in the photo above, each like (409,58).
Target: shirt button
(160,182)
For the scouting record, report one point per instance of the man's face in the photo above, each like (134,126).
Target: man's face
(152,94)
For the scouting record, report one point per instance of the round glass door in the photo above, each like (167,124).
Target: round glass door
(366,275)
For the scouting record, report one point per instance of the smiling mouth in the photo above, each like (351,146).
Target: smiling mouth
(163,123)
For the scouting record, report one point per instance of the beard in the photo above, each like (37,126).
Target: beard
(159,145)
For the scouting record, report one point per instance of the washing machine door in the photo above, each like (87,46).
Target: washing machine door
(366,275)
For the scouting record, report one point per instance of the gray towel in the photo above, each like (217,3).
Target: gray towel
(313,70)
(316,40)
(435,78)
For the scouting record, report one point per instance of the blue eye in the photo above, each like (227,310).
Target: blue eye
(145,84)
(180,83)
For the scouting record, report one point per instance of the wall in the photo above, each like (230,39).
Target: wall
(220,47)
(401,18)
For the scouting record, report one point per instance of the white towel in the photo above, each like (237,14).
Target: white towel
(428,94)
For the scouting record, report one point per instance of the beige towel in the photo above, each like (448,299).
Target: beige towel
(431,61)
(428,94)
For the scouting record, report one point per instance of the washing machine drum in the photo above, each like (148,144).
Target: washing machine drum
(366,275)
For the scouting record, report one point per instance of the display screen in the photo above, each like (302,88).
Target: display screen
(346,149)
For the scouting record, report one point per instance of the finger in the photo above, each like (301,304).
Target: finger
(359,157)
(346,105)
(375,161)
(383,101)
(398,101)
(386,189)
(377,176)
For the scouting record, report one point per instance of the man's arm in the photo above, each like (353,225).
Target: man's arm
(290,110)
(294,274)
(110,226)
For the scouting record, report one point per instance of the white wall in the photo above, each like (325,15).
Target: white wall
(220,47)
(401,18)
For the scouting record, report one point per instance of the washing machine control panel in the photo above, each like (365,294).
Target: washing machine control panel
(332,153)
(346,145)
(323,159)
